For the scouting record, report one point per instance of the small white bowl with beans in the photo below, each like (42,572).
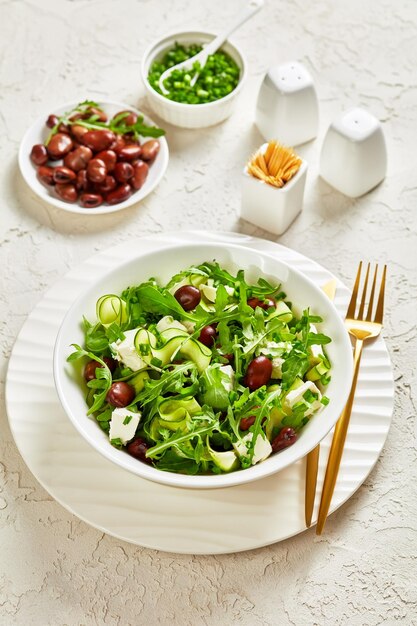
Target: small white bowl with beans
(37,134)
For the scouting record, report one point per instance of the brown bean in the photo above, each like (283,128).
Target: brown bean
(140,173)
(39,154)
(129,152)
(138,448)
(130,140)
(78,159)
(52,121)
(258,373)
(92,366)
(46,175)
(78,131)
(188,296)
(101,116)
(246,422)
(120,194)
(122,172)
(285,438)
(266,303)
(96,170)
(64,128)
(98,140)
(107,185)
(120,394)
(64,174)
(130,119)
(90,370)
(82,182)
(109,157)
(150,149)
(59,146)
(208,335)
(67,192)
(118,142)
(90,200)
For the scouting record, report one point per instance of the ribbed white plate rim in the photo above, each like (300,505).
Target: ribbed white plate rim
(168,518)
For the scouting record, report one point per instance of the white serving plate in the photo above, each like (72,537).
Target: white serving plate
(162,265)
(38,133)
(156,516)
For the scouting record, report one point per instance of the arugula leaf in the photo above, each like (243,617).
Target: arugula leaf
(222,299)
(114,332)
(213,392)
(270,399)
(172,379)
(296,365)
(172,461)
(317,339)
(117,124)
(269,328)
(95,337)
(225,341)
(191,271)
(209,422)
(103,376)
(162,302)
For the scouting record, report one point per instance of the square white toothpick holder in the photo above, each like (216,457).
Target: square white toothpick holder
(287,107)
(354,155)
(272,208)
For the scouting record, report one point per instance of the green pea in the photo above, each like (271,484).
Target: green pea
(217,79)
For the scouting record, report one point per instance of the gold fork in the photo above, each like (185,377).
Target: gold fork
(362,328)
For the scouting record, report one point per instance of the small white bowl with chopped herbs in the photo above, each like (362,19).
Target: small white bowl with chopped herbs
(203,366)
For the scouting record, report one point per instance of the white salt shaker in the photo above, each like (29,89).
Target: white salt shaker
(272,208)
(287,107)
(354,156)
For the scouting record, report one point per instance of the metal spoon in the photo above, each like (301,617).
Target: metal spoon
(250,9)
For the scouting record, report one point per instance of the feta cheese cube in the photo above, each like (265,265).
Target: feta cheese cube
(169,322)
(277,363)
(296,395)
(125,351)
(275,348)
(230,373)
(189,326)
(262,447)
(316,350)
(123,425)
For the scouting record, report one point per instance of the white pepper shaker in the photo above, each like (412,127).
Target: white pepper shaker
(287,108)
(354,156)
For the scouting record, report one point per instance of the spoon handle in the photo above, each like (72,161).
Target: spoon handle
(252,7)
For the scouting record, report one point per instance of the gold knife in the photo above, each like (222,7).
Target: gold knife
(312,464)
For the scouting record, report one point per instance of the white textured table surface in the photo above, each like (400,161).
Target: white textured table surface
(54,568)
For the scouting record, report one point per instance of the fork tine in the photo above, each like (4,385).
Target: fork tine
(371,298)
(352,304)
(365,287)
(379,313)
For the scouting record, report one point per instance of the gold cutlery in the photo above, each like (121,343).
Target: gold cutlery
(362,328)
(312,459)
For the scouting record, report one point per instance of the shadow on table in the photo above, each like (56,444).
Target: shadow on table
(57,219)
(330,203)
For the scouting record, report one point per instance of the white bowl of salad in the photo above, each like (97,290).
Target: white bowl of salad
(203,366)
